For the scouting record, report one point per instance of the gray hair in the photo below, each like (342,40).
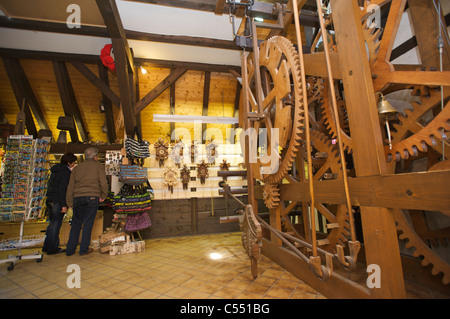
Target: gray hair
(90,153)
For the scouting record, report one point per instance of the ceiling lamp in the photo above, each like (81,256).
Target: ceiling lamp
(144,71)
(192,118)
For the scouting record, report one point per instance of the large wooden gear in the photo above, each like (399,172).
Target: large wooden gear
(420,132)
(282,105)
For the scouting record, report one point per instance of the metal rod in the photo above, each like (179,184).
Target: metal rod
(336,119)
(307,133)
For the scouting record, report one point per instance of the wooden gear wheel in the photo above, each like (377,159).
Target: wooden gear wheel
(282,103)
(422,127)
(337,220)
(271,195)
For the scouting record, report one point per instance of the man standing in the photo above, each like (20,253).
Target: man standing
(56,201)
(88,187)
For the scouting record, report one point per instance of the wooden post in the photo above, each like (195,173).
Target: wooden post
(380,235)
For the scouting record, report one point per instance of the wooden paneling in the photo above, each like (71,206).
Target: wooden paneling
(188,101)
(161,105)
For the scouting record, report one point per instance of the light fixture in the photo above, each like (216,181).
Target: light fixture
(62,138)
(215,256)
(386,110)
(144,71)
(257,19)
(192,118)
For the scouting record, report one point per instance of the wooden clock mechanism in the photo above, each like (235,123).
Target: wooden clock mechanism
(344,151)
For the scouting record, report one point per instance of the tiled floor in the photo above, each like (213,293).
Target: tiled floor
(169,268)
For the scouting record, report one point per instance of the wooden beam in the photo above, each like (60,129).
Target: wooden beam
(19,93)
(206,88)
(237,100)
(123,60)
(109,116)
(422,191)
(158,89)
(288,19)
(98,83)
(172,97)
(220,6)
(126,90)
(78,148)
(95,59)
(315,65)
(429,78)
(403,48)
(111,17)
(134,78)
(380,234)
(69,100)
(188,65)
(424,20)
(337,286)
(31,97)
(97,31)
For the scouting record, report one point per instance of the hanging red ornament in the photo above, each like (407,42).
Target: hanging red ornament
(105,56)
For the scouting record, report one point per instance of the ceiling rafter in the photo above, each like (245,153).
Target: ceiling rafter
(90,58)
(107,104)
(124,61)
(20,93)
(32,101)
(98,31)
(98,83)
(174,75)
(69,101)
(206,89)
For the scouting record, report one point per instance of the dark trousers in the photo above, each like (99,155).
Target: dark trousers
(51,242)
(84,212)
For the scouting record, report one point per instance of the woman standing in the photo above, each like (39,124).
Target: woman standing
(56,201)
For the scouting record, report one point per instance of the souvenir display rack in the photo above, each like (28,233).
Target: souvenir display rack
(23,191)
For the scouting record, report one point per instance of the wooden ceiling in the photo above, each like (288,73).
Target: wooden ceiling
(55,83)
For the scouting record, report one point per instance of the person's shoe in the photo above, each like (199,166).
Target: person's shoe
(60,250)
(90,250)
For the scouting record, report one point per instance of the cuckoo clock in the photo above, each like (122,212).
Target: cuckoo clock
(194,152)
(211,151)
(185,175)
(224,166)
(170,177)
(162,151)
(202,171)
(177,152)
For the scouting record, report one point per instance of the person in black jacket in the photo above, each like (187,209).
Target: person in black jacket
(56,201)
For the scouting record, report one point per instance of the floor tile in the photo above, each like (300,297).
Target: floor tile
(169,268)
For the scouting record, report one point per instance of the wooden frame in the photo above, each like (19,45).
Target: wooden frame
(378,192)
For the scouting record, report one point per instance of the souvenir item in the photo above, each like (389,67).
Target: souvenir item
(185,175)
(162,152)
(133,174)
(170,177)
(202,171)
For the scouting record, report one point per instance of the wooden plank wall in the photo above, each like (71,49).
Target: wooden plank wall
(230,152)
(188,98)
